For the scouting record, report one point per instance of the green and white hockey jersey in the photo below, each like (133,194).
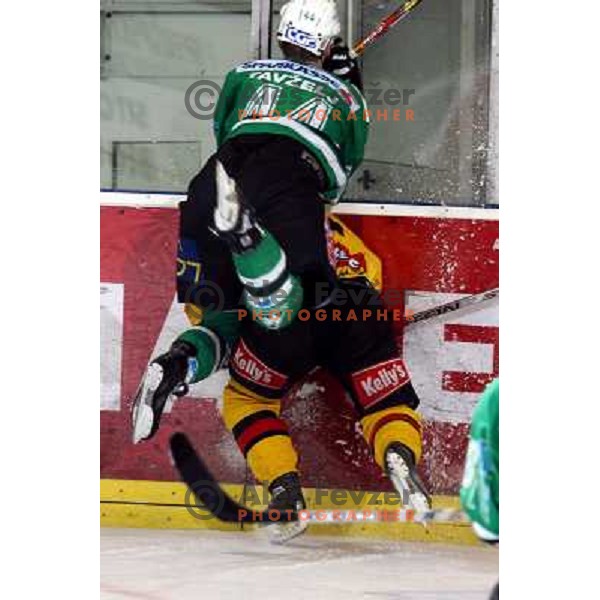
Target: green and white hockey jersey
(283,97)
(480,488)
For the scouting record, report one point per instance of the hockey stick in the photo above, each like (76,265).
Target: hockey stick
(383,27)
(457,304)
(216,501)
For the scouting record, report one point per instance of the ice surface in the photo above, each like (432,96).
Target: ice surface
(143,564)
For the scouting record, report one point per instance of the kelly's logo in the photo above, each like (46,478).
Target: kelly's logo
(378,381)
(249,366)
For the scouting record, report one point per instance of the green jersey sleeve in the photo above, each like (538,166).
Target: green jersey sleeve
(479,493)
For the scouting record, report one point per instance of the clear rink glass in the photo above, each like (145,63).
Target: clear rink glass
(431,86)
(152,53)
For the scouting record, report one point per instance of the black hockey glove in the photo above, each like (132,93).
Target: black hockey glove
(342,65)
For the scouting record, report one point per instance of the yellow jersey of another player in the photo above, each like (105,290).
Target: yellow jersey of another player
(350,256)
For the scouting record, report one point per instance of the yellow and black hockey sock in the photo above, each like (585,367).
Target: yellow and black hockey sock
(397,424)
(260,434)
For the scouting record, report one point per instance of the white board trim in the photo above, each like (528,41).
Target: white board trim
(148,200)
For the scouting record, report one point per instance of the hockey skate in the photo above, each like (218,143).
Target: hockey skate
(401,469)
(287,499)
(164,378)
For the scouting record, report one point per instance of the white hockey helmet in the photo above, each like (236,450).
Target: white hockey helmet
(309,24)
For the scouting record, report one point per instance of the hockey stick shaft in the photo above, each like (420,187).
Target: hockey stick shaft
(452,306)
(384,26)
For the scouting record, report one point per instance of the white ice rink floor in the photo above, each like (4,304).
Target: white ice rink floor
(141,564)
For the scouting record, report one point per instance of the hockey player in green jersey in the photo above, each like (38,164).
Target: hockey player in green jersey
(290,132)
(481,483)
(480,488)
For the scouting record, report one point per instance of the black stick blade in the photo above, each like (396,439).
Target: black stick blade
(201,482)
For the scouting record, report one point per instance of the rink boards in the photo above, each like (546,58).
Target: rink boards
(430,256)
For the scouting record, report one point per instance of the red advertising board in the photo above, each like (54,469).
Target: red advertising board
(429,260)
